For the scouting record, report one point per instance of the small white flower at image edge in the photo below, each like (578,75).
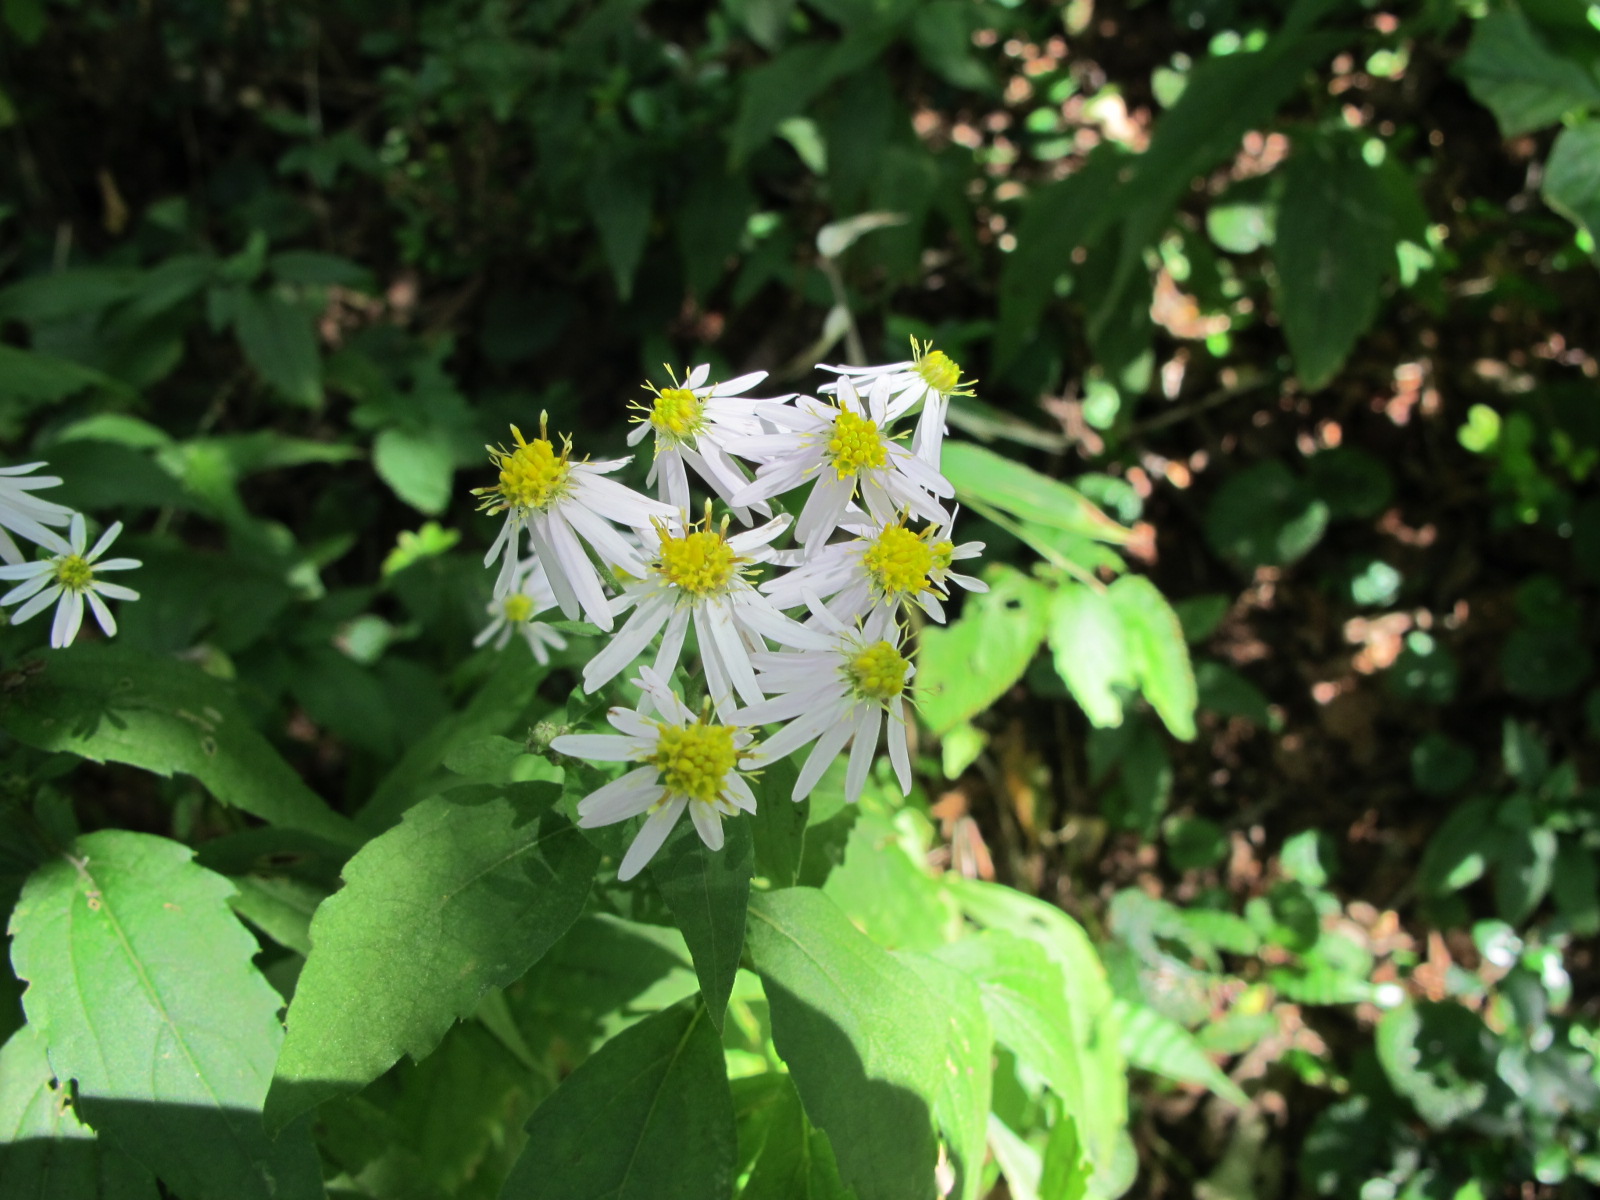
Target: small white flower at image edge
(67,579)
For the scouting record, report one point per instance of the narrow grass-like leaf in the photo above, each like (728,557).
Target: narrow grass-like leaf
(708,891)
(462,896)
(114,704)
(647,1117)
(140,982)
(853,1024)
(46,1153)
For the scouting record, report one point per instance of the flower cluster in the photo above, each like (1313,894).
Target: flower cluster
(818,645)
(69,576)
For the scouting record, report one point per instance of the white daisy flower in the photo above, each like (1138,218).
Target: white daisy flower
(68,579)
(930,378)
(885,567)
(688,762)
(27,515)
(515,613)
(696,574)
(560,501)
(847,448)
(834,697)
(693,423)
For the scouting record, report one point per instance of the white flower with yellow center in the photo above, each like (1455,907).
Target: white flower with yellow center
(884,568)
(693,422)
(559,502)
(930,378)
(835,697)
(68,579)
(695,575)
(515,613)
(687,762)
(848,450)
(26,515)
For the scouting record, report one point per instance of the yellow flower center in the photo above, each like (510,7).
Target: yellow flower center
(74,573)
(939,371)
(694,760)
(877,672)
(944,553)
(856,444)
(532,474)
(700,562)
(898,561)
(518,608)
(676,412)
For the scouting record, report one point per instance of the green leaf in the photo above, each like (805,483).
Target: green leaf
(1065,1171)
(980,476)
(619,198)
(965,666)
(1509,69)
(1440,1056)
(779,825)
(279,338)
(776,91)
(962,1105)
(1264,516)
(1088,1001)
(419,467)
(1572,176)
(707,891)
(648,1117)
(1460,850)
(463,895)
(850,1021)
(1091,651)
(1523,872)
(1158,650)
(1245,217)
(141,984)
(29,377)
(1157,1043)
(1334,246)
(796,1161)
(115,704)
(45,1151)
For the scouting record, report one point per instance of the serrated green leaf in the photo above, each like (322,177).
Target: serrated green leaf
(850,1021)
(962,1105)
(981,476)
(141,983)
(707,892)
(418,467)
(1158,1043)
(647,1117)
(1158,650)
(115,704)
(965,666)
(462,896)
(46,1153)
(1526,83)
(1090,648)
(279,338)
(1334,246)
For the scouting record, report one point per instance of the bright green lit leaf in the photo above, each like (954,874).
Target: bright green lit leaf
(647,1117)
(419,467)
(966,666)
(1159,654)
(983,477)
(962,1105)
(462,896)
(1091,651)
(1157,1043)
(853,1025)
(172,1034)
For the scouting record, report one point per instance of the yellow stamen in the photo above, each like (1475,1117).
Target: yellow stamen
(699,561)
(74,573)
(899,561)
(676,412)
(944,553)
(938,370)
(532,474)
(856,444)
(518,608)
(878,672)
(694,760)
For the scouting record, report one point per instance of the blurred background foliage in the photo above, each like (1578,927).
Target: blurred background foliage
(1281,312)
